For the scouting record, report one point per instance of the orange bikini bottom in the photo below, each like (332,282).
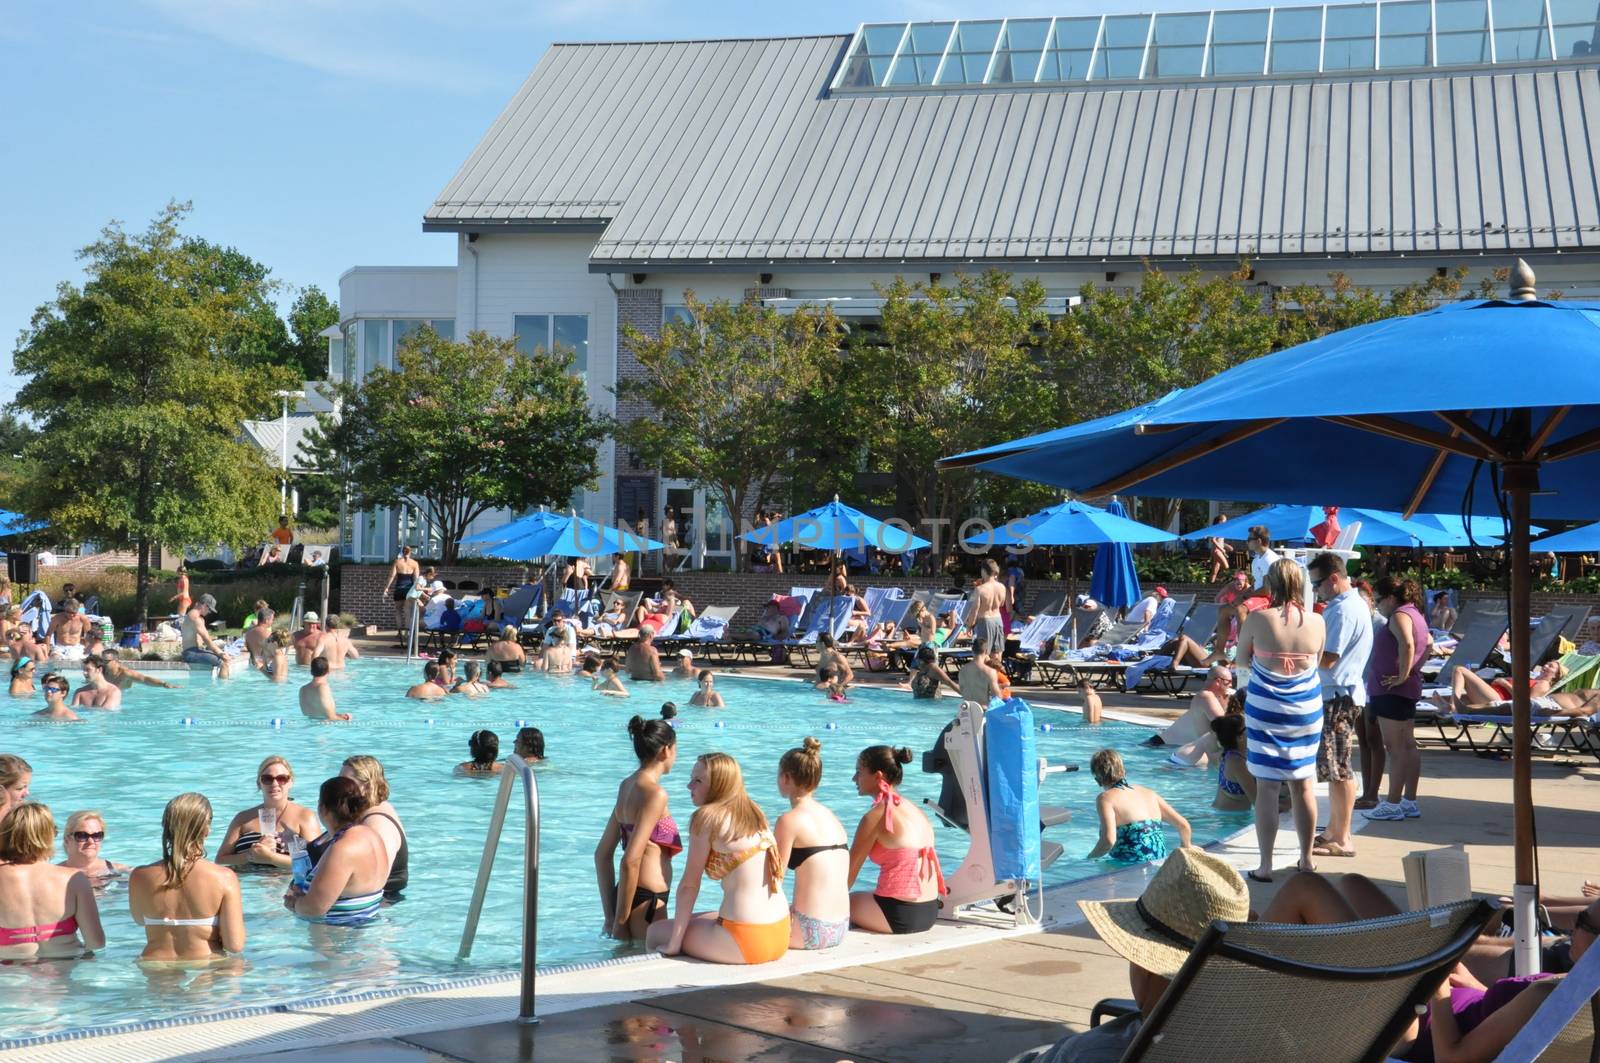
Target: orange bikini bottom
(758,942)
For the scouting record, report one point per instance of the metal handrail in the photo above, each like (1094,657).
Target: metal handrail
(414,607)
(515,767)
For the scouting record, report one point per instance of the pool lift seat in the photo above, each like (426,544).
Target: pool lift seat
(958,758)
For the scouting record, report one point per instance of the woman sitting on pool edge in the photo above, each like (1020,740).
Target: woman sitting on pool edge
(1130,816)
(729,842)
(341,878)
(43,908)
(242,843)
(812,843)
(641,824)
(896,836)
(485,749)
(189,907)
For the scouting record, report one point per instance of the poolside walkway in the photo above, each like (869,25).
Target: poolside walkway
(991,999)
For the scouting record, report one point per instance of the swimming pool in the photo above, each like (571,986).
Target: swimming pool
(128,765)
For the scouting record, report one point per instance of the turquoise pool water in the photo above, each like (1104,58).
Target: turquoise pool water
(128,765)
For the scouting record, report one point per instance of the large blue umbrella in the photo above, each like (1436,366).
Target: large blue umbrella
(1469,407)
(1476,527)
(1071,523)
(15,523)
(1115,583)
(1576,541)
(1293,524)
(838,528)
(516,529)
(571,536)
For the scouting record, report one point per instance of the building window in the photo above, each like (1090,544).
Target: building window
(676,315)
(546,332)
(374,346)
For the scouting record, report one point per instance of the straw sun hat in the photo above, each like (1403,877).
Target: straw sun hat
(1156,931)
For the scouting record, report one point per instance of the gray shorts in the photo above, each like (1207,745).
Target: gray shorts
(988,635)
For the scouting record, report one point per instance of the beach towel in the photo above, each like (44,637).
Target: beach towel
(1283,723)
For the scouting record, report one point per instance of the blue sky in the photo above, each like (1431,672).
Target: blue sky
(310,134)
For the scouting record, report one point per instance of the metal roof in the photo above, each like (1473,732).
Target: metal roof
(268,435)
(708,153)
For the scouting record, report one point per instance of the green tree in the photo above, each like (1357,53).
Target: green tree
(459,429)
(726,393)
(138,389)
(950,368)
(311,313)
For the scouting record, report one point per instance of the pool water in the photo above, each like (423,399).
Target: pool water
(128,765)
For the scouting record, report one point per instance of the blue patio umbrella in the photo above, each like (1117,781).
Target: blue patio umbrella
(1468,407)
(1476,528)
(15,523)
(516,529)
(1575,541)
(1293,524)
(1071,523)
(571,536)
(1115,583)
(838,528)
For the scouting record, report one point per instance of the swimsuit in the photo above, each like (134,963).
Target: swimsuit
(902,871)
(1138,842)
(816,933)
(757,942)
(163,921)
(247,841)
(666,836)
(402,587)
(346,911)
(924,684)
(400,869)
(1225,784)
(37,935)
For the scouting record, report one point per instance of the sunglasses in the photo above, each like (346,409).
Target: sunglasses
(83,837)
(281,780)
(53,689)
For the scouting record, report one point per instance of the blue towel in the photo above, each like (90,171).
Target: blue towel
(1283,723)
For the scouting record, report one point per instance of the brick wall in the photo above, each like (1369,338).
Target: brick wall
(361,587)
(91,563)
(638,308)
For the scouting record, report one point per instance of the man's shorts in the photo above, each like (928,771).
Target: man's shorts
(1333,752)
(988,635)
(195,655)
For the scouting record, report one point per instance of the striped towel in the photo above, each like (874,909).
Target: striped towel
(1283,723)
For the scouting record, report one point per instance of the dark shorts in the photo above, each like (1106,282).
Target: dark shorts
(1393,707)
(1333,753)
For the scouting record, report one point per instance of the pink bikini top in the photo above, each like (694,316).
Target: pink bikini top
(902,871)
(36,935)
(665,835)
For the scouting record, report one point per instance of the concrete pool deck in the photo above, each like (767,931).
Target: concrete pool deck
(978,989)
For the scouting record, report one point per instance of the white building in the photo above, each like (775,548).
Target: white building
(1384,140)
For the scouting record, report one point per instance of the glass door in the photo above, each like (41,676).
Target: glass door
(704,538)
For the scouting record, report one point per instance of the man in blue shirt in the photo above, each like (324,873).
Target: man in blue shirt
(1344,693)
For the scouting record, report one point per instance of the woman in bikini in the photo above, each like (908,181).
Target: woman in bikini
(1130,816)
(81,840)
(46,911)
(1236,787)
(1279,647)
(189,907)
(641,825)
(730,842)
(813,844)
(182,599)
(895,835)
(1470,691)
(244,845)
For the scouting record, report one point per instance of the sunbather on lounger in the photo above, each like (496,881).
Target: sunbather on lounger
(1470,691)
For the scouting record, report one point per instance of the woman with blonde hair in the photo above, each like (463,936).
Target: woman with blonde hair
(189,907)
(44,908)
(16,775)
(382,817)
(258,836)
(81,841)
(730,842)
(1280,647)
(813,844)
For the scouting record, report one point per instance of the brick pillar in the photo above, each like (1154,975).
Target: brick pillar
(636,485)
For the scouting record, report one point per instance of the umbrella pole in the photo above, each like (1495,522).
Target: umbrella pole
(1525,893)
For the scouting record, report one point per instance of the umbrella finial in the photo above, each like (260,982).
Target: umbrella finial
(1522,286)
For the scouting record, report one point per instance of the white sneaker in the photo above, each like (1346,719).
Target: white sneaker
(1410,809)
(1385,811)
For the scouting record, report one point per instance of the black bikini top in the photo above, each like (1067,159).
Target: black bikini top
(801,853)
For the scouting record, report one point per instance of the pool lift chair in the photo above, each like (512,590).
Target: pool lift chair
(958,757)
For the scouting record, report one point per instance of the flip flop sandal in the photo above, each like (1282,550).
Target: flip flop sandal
(1320,839)
(1254,877)
(1327,848)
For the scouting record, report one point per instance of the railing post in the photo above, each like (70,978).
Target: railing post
(515,767)
(414,605)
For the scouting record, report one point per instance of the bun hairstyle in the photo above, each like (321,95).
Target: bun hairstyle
(669,710)
(1406,591)
(650,737)
(886,761)
(343,799)
(184,826)
(803,765)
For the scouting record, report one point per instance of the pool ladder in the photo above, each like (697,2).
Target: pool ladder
(515,768)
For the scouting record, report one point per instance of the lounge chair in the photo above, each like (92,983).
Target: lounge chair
(1051,604)
(1098,664)
(707,635)
(1563,1029)
(890,611)
(1030,645)
(1481,629)
(832,618)
(1274,991)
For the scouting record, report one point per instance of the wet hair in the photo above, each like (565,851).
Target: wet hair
(669,710)
(727,805)
(611,664)
(471,671)
(56,677)
(343,799)
(432,671)
(1107,766)
(591,664)
(825,640)
(1235,703)
(12,769)
(705,673)
(650,737)
(530,743)
(496,669)
(803,765)
(27,834)
(369,776)
(319,666)
(1407,591)
(1229,730)
(184,826)
(886,761)
(484,747)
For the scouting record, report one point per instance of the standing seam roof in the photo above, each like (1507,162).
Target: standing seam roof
(702,151)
